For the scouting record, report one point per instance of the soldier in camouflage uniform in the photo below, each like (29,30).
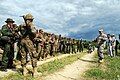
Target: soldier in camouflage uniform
(68,45)
(52,47)
(56,44)
(78,45)
(28,31)
(61,45)
(73,46)
(81,45)
(100,44)
(39,41)
(46,45)
(8,34)
(64,45)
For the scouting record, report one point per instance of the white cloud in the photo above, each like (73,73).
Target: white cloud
(56,14)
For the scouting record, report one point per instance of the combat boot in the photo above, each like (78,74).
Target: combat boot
(2,68)
(25,71)
(101,61)
(14,63)
(35,73)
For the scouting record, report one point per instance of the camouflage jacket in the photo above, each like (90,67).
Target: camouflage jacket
(27,32)
(6,31)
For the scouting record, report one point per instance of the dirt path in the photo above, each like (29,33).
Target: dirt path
(73,71)
(9,71)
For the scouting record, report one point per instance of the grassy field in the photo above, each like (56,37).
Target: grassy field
(109,70)
(46,68)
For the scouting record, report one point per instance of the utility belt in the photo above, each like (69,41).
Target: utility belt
(7,39)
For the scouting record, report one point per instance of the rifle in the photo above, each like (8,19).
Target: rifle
(24,19)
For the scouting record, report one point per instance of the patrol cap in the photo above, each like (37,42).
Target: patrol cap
(113,35)
(9,20)
(100,30)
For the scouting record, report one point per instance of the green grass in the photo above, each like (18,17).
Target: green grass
(95,73)
(109,70)
(17,76)
(46,68)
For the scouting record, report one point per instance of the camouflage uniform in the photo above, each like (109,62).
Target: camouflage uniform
(81,45)
(73,46)
(39,41)
(68,45)
(61,45)
(8,33)
(52,47)
(46,46)
(26,45)
(65,46)
(100,42)
(56,44)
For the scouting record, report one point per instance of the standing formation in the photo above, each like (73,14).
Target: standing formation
(26,43)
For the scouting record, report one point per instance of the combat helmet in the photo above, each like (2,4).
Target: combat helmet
(28,16)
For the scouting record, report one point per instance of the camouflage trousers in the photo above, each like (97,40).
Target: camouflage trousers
(27,48)
(7,57)
(68,48)
(100,52)
(46,50)
(73,49)
(40,49)
(53,50)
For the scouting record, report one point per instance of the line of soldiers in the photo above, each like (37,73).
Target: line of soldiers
(51,44)
(29,44)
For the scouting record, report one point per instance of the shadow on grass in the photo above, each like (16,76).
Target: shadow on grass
(91,61)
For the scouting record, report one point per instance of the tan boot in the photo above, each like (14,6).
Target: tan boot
(14,63)
(25,71)
(35,73)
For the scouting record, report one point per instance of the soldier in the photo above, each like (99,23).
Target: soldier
(90,48)
(78,45)
(68,45)
(39,41)
(56,44)
(81,45)
(8,33)
(52,47)
(73,46)
(61,45)
(113,44)
(100,42)
(28,31)
(46,45)
(64,45)
(109,44)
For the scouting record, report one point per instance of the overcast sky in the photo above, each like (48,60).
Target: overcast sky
(65,16)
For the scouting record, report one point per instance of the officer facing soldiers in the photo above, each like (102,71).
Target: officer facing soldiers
(8,34)
(28,31)
(100,42)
